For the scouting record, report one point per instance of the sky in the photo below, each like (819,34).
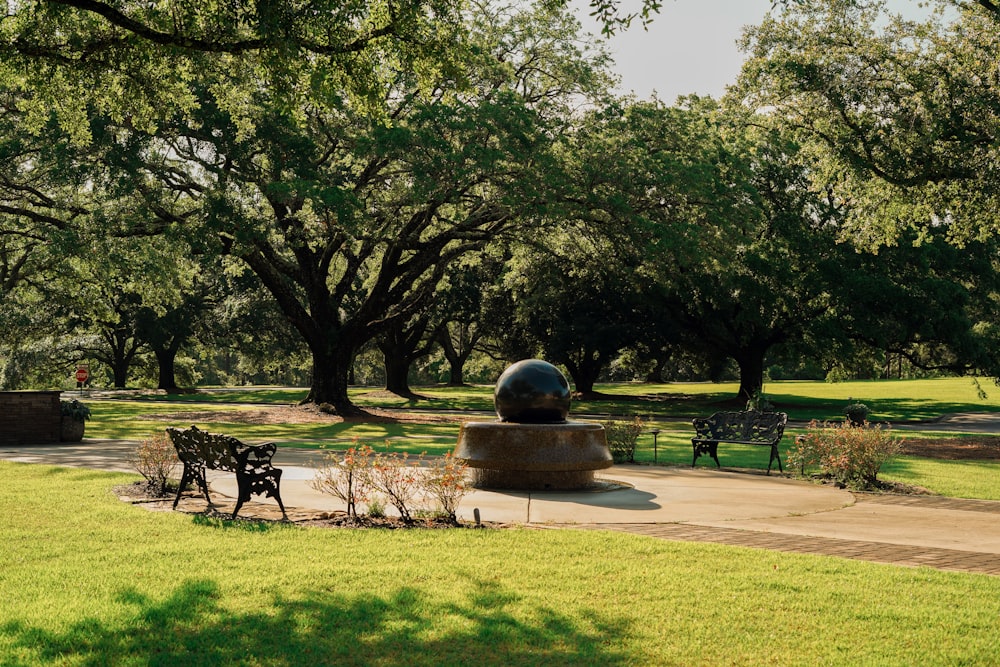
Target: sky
(691,45)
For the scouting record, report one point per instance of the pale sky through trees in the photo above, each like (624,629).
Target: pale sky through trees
(691,45)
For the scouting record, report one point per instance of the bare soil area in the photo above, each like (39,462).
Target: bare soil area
(969,448)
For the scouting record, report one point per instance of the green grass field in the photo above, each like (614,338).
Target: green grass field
(889,400)
(89,580)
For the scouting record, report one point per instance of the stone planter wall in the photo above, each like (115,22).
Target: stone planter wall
(30,417)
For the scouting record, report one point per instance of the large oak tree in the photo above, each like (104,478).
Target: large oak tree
(351,218)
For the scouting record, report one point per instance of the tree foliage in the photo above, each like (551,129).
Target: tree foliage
(903,116)
(351,219)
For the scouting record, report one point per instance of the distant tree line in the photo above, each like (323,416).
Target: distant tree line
(358,191)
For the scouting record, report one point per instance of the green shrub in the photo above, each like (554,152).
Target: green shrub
(376,507)
(74,409)
(851,455)
(622,437)
(155,459)
(759,402)
(837,374)
(857,414)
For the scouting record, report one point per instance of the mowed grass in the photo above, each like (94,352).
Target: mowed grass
(665,406)
(89,580)
(137,420)
(889,400)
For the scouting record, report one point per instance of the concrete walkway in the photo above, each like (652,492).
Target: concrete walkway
(676,503)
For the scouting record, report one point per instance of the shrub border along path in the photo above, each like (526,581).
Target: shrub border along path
(880,552)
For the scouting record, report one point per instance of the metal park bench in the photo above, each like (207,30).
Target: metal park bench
(200,451)
(745,428)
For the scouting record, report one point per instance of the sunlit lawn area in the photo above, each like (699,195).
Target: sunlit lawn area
(139,419)
(89,580)
(889,400)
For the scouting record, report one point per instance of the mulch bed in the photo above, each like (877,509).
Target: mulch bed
(147,496)
(969,448)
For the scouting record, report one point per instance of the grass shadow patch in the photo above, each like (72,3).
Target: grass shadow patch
(193,625)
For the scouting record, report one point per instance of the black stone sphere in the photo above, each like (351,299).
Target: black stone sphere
(532,392)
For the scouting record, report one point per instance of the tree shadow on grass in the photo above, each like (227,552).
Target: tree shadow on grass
(405,627)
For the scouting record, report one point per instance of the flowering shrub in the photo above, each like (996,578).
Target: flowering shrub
(399,480)
(154,459)
(445,483)
(347,477)
(362,475)
(848,454)
(622,436)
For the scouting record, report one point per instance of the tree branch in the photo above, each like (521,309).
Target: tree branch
(125,22)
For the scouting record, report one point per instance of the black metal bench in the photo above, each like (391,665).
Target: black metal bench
(200,451)
(745,428)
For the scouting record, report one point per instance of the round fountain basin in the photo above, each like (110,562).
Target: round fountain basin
(506,455)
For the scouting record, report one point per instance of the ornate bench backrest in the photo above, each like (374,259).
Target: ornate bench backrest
(766,426)
(724,426)
(213,450)
(751,426)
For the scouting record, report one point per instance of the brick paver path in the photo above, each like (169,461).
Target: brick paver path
(880,552)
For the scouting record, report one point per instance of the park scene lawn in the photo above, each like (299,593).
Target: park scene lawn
(161,588)
(335,223)
(90,580)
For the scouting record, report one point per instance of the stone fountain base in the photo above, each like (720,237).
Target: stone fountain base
(512,456)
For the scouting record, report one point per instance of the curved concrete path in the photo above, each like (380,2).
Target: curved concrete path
(679,503)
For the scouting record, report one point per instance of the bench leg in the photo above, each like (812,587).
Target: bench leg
(710,448)
(277,496)
(774,457)
(268,484)
(192,474)
(281,505)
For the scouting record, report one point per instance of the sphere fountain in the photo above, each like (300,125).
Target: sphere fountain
(533,446)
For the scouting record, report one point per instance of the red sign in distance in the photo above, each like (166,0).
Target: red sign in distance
(82,375)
